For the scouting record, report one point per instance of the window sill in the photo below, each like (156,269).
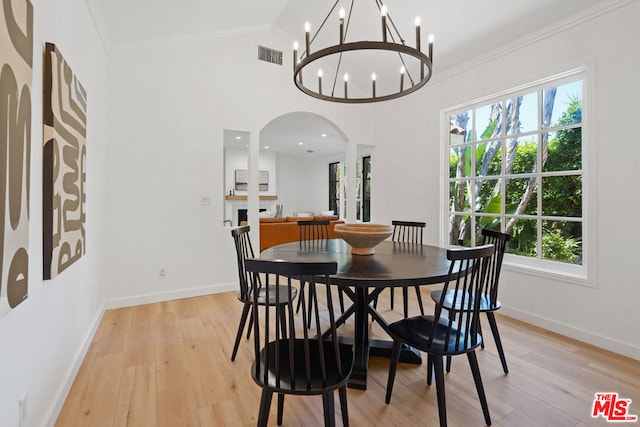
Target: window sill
(544,269)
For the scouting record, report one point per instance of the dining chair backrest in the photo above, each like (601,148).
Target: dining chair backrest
(243,251)
(500,241)
(407,231)
(313,230)
(303,361)
(469,273)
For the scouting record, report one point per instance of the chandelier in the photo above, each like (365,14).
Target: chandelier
(408,70)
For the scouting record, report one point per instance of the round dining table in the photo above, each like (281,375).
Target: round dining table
(362,278)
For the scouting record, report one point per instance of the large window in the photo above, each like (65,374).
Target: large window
(516,165)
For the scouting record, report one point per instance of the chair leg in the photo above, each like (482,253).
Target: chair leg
(448,368)
(419,298)
(283,321)
(342,392)
(395,358)
(429,369)
(312,296)
(243,320)
(393,291)
(329,409)
(341,300)
(300,297)
(250,327)
(475,370)
(442,404)
(265,405)
(496,338)
(280,408)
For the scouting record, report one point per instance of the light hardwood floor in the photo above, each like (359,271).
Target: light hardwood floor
(168,364)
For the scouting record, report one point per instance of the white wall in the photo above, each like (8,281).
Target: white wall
(607,315)
(169,105)
(303,184)
(44,337)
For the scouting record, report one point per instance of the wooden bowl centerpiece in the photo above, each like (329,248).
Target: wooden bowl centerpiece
(363,237)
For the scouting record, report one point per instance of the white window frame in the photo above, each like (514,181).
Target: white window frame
(578,274)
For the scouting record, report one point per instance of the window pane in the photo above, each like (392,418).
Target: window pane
(489,158)
(562,105)
(489,122)
(459,200)
(561,241)
(522,155)
(488,222)
(524,117)
(562,196)
(524,235)
(488,198)
(458,229)
(460,162)
(460,126)
(564,151)
(522,191)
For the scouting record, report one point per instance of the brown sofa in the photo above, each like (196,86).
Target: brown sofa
(275,231)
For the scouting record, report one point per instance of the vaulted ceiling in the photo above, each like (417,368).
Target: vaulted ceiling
(463,29)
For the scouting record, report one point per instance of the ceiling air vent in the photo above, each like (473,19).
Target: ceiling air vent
(269,55)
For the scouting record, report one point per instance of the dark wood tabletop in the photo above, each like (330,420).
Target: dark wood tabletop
(393,264)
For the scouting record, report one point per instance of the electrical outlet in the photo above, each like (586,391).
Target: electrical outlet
(162,273)
(205,200)
(22,409)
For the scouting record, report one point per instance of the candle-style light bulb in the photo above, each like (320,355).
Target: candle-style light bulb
(383,13)
(320,82)
(341,14)
(417,32)
(431,48)
(373,84)
(307,30)
(346,79)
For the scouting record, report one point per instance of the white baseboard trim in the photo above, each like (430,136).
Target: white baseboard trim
(601,341)
(170,295)
(62,393)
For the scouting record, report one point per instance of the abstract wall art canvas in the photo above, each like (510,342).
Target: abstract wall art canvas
(64,165)
(16,70)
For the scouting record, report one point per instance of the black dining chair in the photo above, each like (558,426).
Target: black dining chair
(313,235)
(441,336)
(409,232)
(489,302)
(302,362)
(266,294)
(313,230)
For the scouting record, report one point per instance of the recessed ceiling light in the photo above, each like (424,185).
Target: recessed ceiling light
(324,135)
(266,147)
(300,143)
(238,137)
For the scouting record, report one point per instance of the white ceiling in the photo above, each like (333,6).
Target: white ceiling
(463,29)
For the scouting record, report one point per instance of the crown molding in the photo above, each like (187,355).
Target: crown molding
(532,38)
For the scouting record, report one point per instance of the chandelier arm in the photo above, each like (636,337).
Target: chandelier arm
(335,77)
(321,25)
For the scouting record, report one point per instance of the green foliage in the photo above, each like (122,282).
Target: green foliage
(562,196)
(558,247)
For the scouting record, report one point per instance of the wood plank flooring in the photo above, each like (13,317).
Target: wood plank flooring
(168,364)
